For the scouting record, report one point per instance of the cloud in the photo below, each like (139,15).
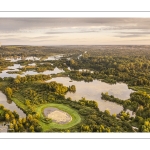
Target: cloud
(141,40)
(132,34)
(80,31)
(95,30)
(59,32)
(42,37)
(145,32)
(22,24)
(128,36)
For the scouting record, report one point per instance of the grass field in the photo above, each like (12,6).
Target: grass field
(19,104)
(75,117)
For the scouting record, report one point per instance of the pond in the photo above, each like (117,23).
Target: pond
(93,90)
(16,67)
(32,64)
(55,57)
(15,59)
(47,72)
(8,104)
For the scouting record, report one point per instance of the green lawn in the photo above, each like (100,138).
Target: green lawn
(19,104)
(75,117)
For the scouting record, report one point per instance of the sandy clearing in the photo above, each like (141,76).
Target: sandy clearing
(57,115)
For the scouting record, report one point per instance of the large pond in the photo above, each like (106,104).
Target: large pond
(93,90)
(10,105)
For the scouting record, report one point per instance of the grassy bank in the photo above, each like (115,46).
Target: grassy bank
(75,116)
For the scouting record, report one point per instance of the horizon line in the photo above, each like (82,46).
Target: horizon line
(84,45)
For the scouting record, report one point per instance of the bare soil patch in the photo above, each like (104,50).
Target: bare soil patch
(57,115)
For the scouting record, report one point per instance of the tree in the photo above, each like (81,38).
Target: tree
(31,129)
(23,120)
(16,81)
(114,115)
(27,102)
(29,118)
(15,114)
(11,126)
(1,106)
(7,117)
(14,122)
(72,62)
(85,128)
(107,112)
(8,92)
(16,128)
(72,88)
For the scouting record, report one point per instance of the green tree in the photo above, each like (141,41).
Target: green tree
(7,117)
(31,129)
(16,81)
(107,112)
(9,92)
(72,88)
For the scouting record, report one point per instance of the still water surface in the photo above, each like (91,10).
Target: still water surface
(10,105)
(89,90)
(15,59)
(16,67)
(93,90)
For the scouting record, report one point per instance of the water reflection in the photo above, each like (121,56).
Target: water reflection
(132,114)
(10,105)
(5,73)
(55,57)
(15,59)
(15,67)
(32,58)
(30,72)
(93,90)
(33,64)
(47,72)
(9,101)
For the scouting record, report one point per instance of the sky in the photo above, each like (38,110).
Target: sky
(74,31)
